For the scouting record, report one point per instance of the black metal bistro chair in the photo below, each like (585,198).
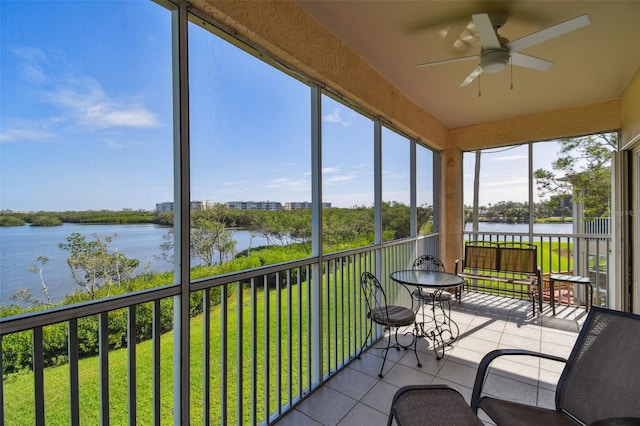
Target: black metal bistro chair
(427,262)
(390,317)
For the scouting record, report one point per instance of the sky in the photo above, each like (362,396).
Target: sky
(86,120)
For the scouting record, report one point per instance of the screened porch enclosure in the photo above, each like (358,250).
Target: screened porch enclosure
(236,123)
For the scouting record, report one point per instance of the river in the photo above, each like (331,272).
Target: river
(21,245)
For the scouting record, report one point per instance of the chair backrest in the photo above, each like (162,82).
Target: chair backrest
(481,255)
(428,262)
(374,295)
(601,378)
(518,258)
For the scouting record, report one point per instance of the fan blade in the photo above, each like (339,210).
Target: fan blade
(447,61)
(475,73)
(532,62)
(548,33)
(487,34)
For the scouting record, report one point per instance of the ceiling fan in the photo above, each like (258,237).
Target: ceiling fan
(497,51)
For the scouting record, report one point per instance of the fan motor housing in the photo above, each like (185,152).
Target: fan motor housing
(494,60)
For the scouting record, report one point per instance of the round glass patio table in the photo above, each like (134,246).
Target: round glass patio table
(440,328)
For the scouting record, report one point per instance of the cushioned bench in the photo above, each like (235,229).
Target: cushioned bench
(502,268)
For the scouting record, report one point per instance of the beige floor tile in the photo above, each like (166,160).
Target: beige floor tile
(380,397)
(522,342)
(401,375)
(297,418)
(365,416)
(430,365)
(352,382)
(511,390)
(484,334)
(457,373)
(525,330)
(478,345)
(370,364)
(327,406)
(465,356)
(511,368)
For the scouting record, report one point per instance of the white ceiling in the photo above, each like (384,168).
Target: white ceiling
(592,64)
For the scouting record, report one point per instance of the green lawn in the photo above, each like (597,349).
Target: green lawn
(18,388)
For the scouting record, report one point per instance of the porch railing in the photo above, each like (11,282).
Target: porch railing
(268,343)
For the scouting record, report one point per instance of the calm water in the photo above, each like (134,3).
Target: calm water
(538,228)
(20,245)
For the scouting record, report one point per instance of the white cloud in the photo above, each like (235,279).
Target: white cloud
(289,184)
(510,158)
(327,170)
(340,179)
(335,118)
(80,99)
(24,132)
(30,64)
(90,106)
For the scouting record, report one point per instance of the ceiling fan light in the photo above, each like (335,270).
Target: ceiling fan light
(494,60)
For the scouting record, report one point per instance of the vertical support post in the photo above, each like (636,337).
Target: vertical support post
(413,197)
(437,188)
(315,282)
(377,194)
(532,216)
(182,343)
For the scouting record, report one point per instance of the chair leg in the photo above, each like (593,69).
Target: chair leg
(366,339)
(386,351)
(415,344)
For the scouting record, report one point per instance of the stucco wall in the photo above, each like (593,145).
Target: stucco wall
(593,118)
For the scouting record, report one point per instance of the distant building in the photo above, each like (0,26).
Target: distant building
(273,206)
(166,207)
(255,205)
(296,205)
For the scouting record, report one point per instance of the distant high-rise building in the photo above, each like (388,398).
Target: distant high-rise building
(255,205)
(295,205)
(165,207)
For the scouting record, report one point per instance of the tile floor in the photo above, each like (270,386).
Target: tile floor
(356,396)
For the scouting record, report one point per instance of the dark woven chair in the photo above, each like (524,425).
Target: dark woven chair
(600,380)
(390,317)
(435,405)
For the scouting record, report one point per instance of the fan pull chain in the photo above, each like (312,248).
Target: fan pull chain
(479,92)
(511,64)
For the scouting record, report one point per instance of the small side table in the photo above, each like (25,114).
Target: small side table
(573,279)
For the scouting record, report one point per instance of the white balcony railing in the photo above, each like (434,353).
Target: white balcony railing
(276,334)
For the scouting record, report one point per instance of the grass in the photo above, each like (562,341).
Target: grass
(18,388)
